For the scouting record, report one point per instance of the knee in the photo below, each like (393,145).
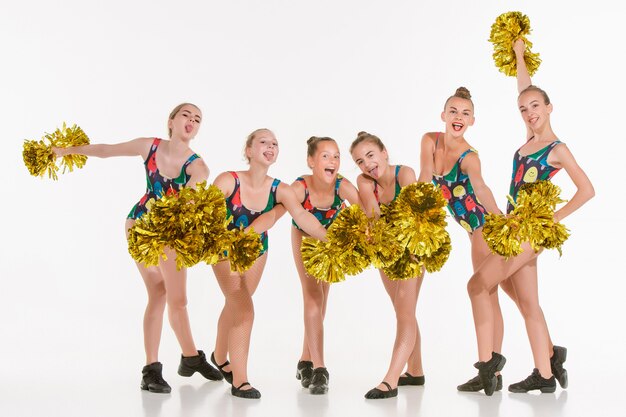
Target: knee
(177,302)
(476,286)
(530,309)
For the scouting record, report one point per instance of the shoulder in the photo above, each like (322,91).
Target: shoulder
(225,182)
(406,175)
(363,181)
(429,138)
(198,167)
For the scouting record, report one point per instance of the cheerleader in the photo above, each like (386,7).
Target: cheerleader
(378,184)
(249,194)
(323,193)
(449,161)
(540,158)
(170,165)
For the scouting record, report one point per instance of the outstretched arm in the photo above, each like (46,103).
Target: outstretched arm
(523,78)
(267,220)
(140,146)
(584,188)
(366,194)
(471,166)
(305,220)
(347,191)
(427,160)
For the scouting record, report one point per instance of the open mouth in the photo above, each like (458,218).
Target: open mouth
(373,172)
(329,171)
(188,128)
(269,155)
(532,120)
(457,127)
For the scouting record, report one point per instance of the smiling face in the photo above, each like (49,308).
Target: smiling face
(262,148)
(534,110)
(325,161)
(370,158)
(458,115)
(184,121)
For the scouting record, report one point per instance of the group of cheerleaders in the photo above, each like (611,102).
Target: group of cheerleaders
(256,200)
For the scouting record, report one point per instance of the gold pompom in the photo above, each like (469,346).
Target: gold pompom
(39,158)
(435,261)
(243,249)
(418,219)
(406,267)
(320,261)
(346,251)
(384,247)
(508,28)
(532,220)
(191,222)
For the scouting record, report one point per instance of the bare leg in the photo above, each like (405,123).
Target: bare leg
(315,297)
(238,290)
(525,284)
(480,252)
(153,315)
(489,274)
(404,296)
(176,294)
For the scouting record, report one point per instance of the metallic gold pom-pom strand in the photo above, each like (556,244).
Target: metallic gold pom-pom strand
(191,222)
(39,158)
(508,28)
(532,220)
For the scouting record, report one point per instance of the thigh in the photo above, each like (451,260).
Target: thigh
(524,282)
(310,286)
(151,275)
(496,269)
(480,250)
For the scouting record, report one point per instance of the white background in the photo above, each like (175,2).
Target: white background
(71,300)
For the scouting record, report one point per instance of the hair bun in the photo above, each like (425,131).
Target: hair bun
(312,139)
(462,92)
(362,133)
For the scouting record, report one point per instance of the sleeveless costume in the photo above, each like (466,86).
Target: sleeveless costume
(157,184)
(531,168)
(458,191)
(325,216)
(243,216)
(397,191)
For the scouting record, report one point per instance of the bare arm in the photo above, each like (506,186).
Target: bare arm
(471,166)
(427,160)
(140,146)
(584,188)
(347,191)
(523,78)
(406,176)
(366,194)
(267,220)
(305,220)
(225,182)
(198,172)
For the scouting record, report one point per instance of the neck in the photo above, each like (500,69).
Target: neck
(450,141)
(178,145)
(257,174)
(544,133)
(389,177)
(318,184)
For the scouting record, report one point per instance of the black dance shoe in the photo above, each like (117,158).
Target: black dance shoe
(319,381)
(487,372)
(228,375)
(304,373)
(378,394)
(152,379)
(192,364)
(556,364)
(474,385)
(533,382)
(250,394)
(408,379)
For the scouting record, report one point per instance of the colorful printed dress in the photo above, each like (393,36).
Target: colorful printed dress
(157,184)
(458,191)
(325,216)
(242,216)
(531,168)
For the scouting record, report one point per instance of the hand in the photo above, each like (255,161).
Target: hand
(519,47)
(58,152)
